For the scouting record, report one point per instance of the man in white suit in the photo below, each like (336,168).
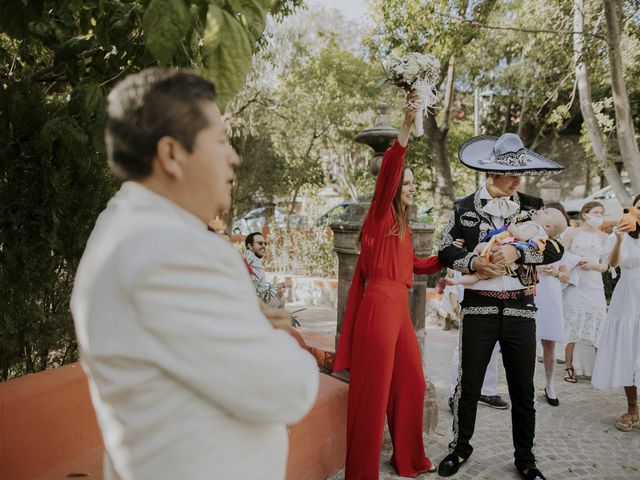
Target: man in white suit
(188,378)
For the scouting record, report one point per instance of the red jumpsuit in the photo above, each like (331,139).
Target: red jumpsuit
(378,343)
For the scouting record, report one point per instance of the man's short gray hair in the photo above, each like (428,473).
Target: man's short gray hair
(146,106)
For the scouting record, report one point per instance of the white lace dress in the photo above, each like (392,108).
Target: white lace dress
(584,303)
(618,360)
(548,299)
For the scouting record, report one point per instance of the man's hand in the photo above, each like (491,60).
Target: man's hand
(278,317)
(505,255)
(459,243)
(485,269)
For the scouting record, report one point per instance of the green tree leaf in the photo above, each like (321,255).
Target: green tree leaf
(256,18)
(165,23)
(71,48)
(15,15)
(226,53)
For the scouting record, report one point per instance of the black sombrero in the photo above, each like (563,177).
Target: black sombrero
(505,155)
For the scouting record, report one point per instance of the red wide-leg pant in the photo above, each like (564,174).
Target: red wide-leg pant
(386,377)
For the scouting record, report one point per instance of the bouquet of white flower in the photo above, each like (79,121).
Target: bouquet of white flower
(419,72)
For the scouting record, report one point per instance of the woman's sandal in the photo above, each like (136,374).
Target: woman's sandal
(627,421)
(571,376)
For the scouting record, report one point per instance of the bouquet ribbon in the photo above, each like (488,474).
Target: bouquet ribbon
(427,97)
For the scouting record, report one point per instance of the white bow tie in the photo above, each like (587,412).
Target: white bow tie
(501,207)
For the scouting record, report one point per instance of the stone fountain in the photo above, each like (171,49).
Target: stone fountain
(380,137)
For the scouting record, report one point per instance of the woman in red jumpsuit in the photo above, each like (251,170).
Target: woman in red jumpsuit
(378,343)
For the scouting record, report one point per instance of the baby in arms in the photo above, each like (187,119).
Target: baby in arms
(544,224)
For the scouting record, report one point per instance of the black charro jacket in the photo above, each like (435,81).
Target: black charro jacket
(469,222)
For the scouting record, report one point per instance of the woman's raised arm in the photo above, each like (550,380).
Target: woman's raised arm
(390,173)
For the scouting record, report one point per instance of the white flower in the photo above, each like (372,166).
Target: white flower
(412,71)
(419,72)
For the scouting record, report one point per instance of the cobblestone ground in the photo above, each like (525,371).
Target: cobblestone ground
(577,440)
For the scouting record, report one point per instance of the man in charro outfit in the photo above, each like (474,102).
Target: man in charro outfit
(500,307)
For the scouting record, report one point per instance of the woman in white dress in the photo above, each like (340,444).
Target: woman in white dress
(584,303)
(618,360)
(549,318)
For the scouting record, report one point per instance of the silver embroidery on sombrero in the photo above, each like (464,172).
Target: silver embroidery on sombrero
(527,173)
(511,159)
(509,162)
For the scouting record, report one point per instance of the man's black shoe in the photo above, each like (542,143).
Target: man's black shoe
(449,465)
(450,401)
(532,474)
(494,401)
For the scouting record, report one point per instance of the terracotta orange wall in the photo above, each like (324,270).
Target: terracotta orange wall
(48,429)
(46,420)
(317,444)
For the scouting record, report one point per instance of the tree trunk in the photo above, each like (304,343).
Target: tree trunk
(435,140)
(598,144)
(523,112)
(624,121)
(507,121)
(227,217)
(296,191)
(29,366)
(448,97)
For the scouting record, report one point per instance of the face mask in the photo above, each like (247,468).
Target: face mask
(594,221)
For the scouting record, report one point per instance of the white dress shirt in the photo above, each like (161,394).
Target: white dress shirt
(504,282)
(187,377)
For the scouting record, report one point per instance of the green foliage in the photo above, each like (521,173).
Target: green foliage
(58,59)
(307,251)
(304,120)
(261,173)
(303,252)
(165,23)
(53,185)
(226,52)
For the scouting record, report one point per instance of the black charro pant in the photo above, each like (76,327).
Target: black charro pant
(511,322)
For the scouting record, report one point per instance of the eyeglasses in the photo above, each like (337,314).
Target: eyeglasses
(261,243)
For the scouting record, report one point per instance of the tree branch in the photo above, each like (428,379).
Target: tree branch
(520,29)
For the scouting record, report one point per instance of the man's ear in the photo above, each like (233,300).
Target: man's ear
(170,155)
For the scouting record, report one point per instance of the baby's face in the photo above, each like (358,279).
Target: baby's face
(551,219)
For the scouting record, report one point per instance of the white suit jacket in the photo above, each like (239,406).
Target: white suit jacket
(187,377)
